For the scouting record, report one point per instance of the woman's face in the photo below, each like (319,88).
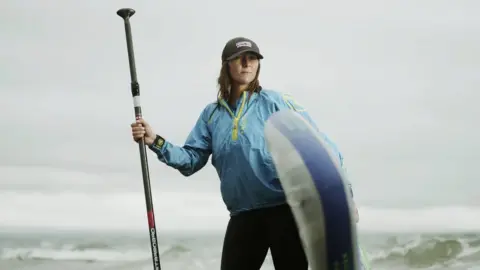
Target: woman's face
(243,69)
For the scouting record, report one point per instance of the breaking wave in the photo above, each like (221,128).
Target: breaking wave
(427,251)
(91,252)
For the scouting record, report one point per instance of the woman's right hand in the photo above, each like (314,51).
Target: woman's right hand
(141,129)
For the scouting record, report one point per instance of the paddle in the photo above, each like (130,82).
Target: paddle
(126,13)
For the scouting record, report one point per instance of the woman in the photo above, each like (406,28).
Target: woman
(231,131)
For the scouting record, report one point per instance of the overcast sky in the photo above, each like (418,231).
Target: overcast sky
(394,83)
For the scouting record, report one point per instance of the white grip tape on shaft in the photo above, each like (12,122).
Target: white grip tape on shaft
(136,101)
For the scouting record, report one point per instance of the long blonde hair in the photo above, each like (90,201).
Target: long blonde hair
(225,82)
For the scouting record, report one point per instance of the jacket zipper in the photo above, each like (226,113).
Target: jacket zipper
(236,118)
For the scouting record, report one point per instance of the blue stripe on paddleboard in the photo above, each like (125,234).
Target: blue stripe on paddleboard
(339,244)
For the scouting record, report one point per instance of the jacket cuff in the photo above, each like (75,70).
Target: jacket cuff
(157,144)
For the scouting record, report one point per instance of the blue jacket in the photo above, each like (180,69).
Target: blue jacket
(235,140)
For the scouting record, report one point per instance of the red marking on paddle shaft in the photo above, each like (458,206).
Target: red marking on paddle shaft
(151,219)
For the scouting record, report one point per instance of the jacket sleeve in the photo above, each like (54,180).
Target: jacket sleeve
(194,154)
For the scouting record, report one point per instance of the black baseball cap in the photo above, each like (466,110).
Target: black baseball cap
(239,45)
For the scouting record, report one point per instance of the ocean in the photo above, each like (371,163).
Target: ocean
(50,250)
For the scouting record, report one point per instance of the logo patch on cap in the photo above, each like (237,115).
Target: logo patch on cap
(243,44)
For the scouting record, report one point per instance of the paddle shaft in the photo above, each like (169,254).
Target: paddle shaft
(126,13)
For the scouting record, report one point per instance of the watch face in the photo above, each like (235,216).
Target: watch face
(160,142)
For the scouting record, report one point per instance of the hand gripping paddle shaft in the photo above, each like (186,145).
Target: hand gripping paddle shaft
(126,13)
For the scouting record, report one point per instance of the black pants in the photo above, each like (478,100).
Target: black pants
(249,236)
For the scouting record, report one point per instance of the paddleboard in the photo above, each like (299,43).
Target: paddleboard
(313,181)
